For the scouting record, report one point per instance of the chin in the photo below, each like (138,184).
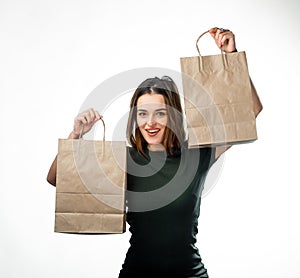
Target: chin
(154,142)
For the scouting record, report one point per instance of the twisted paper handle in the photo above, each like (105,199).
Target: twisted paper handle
(82,127)
(103,139)
(225,63)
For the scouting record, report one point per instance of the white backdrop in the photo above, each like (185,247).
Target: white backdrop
(54,53)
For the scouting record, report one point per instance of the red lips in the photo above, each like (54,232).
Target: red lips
(152,132)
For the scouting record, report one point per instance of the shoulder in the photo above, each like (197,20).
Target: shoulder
(206,156)
(135,156)
(220,150)
(132,152)
(203,151)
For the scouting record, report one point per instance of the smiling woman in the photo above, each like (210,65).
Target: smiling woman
(162,170)
(156,110)
(165,179)
(152,119)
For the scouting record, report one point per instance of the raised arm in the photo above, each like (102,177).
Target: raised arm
(257,108)
(86,119)
(257,105)
(225,40)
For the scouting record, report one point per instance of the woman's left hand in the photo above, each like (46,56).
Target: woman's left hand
(224,39)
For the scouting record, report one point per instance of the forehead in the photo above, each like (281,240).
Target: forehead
(151,101)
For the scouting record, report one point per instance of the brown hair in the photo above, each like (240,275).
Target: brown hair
(174,133)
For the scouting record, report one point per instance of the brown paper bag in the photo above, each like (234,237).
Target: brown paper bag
(218,99)
(90,186)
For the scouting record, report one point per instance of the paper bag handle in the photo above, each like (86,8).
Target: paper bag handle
(103,139)
(224,58)
(82,127)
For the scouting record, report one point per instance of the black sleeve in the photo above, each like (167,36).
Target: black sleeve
(207,157)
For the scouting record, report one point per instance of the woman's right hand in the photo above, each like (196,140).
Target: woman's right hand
(85,119)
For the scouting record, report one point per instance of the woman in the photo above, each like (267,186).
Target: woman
(164,178)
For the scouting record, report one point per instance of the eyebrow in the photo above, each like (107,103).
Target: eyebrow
(159,109)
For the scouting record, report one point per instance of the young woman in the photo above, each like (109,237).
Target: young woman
(164,178)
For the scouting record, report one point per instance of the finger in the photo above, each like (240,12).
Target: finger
(223,30)
(223,36)
(91,114)
(220,31)
(213,31)
(87,116)
(81,120)
(216,33)
(95,116)
(218,37)
(227,33)
(98,116)
(228,38)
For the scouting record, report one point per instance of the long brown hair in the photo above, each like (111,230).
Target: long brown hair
(174,133)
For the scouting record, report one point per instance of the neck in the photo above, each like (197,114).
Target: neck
(156,147)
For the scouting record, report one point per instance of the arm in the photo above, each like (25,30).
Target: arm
(257,105)
(257,108)
(51,177)
(225,40)
(86,119)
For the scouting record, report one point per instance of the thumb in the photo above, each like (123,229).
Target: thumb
(213,31)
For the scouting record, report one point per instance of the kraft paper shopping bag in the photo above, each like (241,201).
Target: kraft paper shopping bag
(218,99)
(90,186)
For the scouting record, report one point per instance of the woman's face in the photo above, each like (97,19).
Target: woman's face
(152,119)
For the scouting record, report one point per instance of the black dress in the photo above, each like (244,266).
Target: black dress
(163,206)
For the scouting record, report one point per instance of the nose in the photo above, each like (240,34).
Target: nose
(151,120)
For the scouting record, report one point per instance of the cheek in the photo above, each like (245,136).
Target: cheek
(140,122)
(163,122)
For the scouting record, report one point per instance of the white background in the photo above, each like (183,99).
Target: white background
(54,53)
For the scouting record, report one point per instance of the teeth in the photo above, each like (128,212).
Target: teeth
(153,130)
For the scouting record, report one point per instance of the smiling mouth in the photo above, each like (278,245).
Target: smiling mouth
(152,132)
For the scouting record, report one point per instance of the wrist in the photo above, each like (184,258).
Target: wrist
(73,135)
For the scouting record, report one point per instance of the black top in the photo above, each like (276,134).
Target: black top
(163,206)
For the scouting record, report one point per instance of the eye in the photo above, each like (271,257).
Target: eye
(161,113)
(142,114)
